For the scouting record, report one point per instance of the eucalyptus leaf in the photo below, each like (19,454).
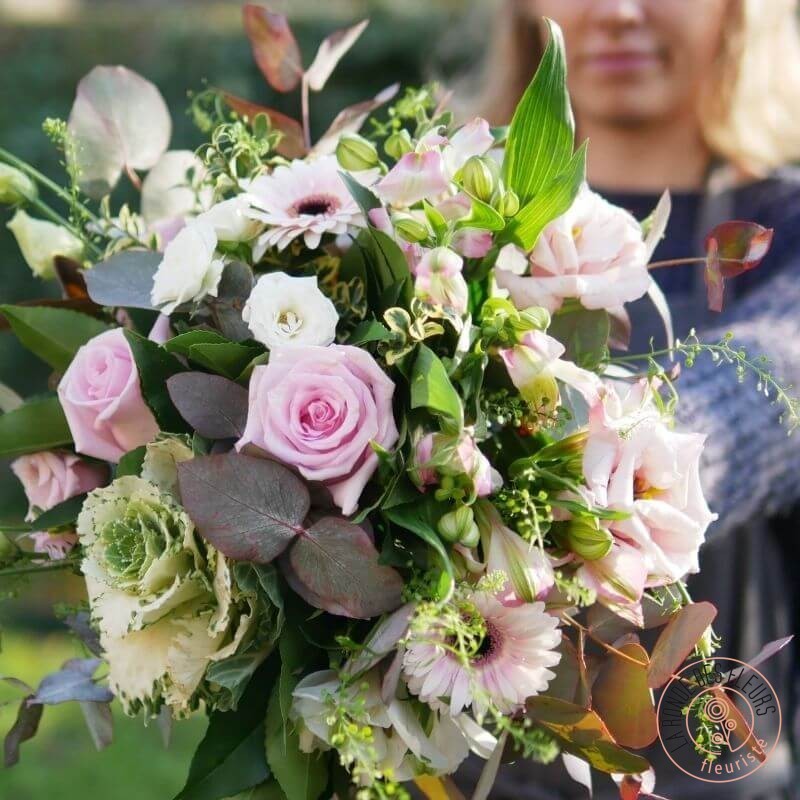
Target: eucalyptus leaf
(125,279)
(74,681)
(99,722)
(214,406)
(52,334)
(24,728)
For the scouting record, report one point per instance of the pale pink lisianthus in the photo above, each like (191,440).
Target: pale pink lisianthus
(102,399)
(635,463)
(594,253)
(318,409)
(513,664)
(50,478)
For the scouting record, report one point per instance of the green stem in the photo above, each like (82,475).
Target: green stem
(55,217)
(31,569)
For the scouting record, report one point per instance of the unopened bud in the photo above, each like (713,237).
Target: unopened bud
(410,229)
(398,144)
(509,203)
(587,540)
(355,153)
(454,526)
(533,317)
(477,177)
(15,186)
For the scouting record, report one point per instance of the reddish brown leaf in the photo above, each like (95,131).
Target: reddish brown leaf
(621,697)
(291,144)
(274,47)
(733,248)
(70,276)
(743,731)
(330,52)
(677,640)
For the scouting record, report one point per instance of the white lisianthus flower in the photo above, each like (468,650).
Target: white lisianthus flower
(41,241)
(189,269)
(165,605)
(15,185)
(283,310)
(230,221)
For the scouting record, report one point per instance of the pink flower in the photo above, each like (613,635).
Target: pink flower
(634,462)
(439,280)
(512,664)
(102,399)
(472,139)
(380,218)
(535,364)
(439,454)
(318,409)
(472,243)
(416,176)
(50,478)
(594,252)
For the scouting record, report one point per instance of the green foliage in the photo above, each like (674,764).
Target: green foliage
(38,425)
(431,388)
(584,332)
(53,334)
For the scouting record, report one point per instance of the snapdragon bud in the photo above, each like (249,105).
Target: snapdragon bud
(410,229)
(459,526)
(588,540)
(355,153)
(509,203)
(15,186)
(398,144)
(477,177)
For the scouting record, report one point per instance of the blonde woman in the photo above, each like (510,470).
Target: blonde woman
(702,96)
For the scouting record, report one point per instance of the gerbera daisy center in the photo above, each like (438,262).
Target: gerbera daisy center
(315,205)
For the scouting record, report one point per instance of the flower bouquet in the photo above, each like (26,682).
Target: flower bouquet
(339,444)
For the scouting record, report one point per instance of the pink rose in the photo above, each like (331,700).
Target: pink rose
(50,478)
(318,409)
(102,399)
(594,252)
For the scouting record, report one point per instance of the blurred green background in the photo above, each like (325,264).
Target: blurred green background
(46,46)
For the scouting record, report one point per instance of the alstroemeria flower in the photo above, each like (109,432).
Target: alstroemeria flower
(594,253)
(439,280)
(473,139)
(438,454)
(535,365)
(415,177)
(635,463)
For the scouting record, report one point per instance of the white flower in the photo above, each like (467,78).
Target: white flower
(230,219)
(40,242)
(283,310)
(307,199)
(15,186)
(188,270)
(594,252)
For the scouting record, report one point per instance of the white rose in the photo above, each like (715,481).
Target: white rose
(283,310)
(41,241)
(229,220)
(189,269)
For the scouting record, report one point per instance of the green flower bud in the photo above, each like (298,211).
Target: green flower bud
(477,177)
(534,317)
(411,229)
(587,540)
(471,537)
(15,186)
(398,144)
(455,525)
(509,204)
(355,153)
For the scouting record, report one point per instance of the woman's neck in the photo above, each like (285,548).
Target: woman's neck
(645,157)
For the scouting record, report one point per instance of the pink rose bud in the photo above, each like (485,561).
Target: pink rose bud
(416,176)
(318,409)
(51,477)
(102,399)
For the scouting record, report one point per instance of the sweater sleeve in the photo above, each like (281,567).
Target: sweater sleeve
(751,464)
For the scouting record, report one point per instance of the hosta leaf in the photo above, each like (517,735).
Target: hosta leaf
(214,406)
(249,508)
(274,47)
(677,640)
(330,52)
(53,334)
(119,121)
(334,566)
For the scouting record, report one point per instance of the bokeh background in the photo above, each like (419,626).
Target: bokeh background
(46,46)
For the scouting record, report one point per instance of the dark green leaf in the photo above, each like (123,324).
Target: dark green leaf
(63,514)
(126,279)
(214,406)
(542,132)
(431,388)
(249,508)
(364,198)
(386,272)
(230,758)
(421,518)
(37,425)
(53,334)
(183,342)
(583,332)
(131,462)
(551,202)
(370,330)
(155,366)
(227,359)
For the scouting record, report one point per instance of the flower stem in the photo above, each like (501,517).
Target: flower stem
(31,569)
(305,112)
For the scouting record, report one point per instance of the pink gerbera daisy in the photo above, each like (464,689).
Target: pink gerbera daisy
(511,664)
(305,199)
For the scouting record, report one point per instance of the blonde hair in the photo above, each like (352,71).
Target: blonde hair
(749,106)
